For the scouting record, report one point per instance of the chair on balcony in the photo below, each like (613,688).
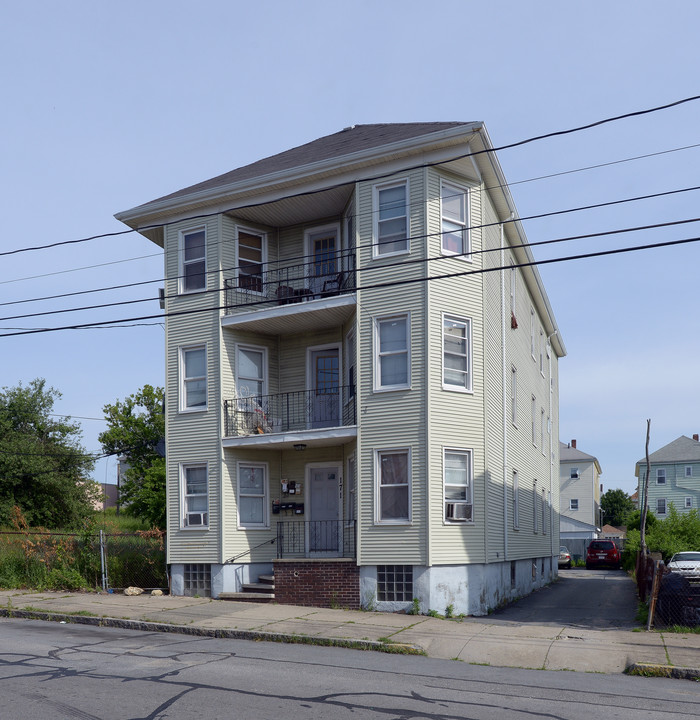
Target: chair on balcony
(333,285)
(286,294)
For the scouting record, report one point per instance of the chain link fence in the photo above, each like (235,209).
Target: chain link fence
(672,595)
(70,561)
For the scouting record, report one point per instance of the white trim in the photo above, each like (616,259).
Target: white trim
(308,249)
(236,375)
(376,189)
(571,504)
(376,375)
(263,254)
(516,501)
(377,485)
(181,263)
(184,514)
(465,254)
(468,324)
(182,379)
(265,524)
(469,501)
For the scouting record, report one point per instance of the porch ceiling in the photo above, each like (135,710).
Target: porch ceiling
(324,437)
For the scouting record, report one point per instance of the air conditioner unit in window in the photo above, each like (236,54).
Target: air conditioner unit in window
(458,512)
(574,476)
(195,519)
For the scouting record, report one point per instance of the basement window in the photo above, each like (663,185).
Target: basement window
(197,580)
(395,582)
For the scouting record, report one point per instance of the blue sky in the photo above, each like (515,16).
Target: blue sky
(108,106)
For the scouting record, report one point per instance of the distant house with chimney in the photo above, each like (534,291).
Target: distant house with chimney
(579,493)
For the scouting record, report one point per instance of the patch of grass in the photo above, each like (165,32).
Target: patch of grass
(449,611)
(642,615)
(415,607)
(433,613)
(683,629)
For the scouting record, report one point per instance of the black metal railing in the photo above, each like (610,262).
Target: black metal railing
(277,284)
(300,410)
(323,538)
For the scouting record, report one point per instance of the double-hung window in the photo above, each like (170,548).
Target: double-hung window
(193,378)
(251,259)
(534,506)
(456,351)
(195,495)
(250,372)
(514,395)
(252,495)
(660,506)
(391,219)
(393,488)
(453,215)
(193,264)
(516,501)
(457,476)
(573,504)
(660,476)
(391,342)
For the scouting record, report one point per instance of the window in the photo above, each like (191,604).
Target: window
(533,412)
(252,495)
(660,506)
(513,288)
(193,265)
(513,395)
(544,513)
(250,371)
(660,476)
(516,501)
(689,502)
(534,506)
(454,213)
(574,473)
(542,430)
(350,365)
(251,258)
(391,353)
(456,344)
(457,473)
(193,378)
(391,219)
(573,504)
(395,582)
(532,332)
(197,580)
(689,471)
(393,483)
(542,353)
(195,496)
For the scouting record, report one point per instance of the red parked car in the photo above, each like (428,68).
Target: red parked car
(602,553)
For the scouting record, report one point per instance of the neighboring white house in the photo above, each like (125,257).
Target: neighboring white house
(361,376)
(579,494)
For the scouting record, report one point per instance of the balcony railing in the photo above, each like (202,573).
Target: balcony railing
(293,411)
(322,538)
(276,284)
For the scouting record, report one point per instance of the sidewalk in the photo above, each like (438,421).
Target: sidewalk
(483,641)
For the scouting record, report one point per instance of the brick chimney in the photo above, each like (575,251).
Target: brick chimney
(696,437)
(573,444)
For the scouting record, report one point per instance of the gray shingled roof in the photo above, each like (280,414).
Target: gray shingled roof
(570,454)
(350,140)
(683,449)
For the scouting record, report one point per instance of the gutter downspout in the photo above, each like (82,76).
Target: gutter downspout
(505,400)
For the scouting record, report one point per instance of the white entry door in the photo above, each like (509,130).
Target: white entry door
(324,510)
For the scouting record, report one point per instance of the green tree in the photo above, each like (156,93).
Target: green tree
(135,426)
(616,506)
(44,470)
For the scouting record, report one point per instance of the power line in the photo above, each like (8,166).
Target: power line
(519,143)
(395,283)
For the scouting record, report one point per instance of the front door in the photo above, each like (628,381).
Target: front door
(325,388)
(324,510)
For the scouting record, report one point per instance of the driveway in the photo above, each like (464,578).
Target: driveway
(593,599)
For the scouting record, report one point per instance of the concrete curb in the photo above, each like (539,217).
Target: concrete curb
(376,646)
(669,671)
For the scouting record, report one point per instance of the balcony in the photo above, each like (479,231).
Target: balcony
(308,416)
(316,538)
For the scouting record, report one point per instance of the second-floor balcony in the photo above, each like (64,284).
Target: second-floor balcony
(265,285)
(292,412)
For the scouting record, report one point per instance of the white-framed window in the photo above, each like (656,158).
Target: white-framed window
(195,495)
(391,219)
(251,251)
(251,371)
(544,448)
(393,473)
(456,353)
(573,504)
(544,512)
(350,371)
(532,332)
(457,479)
(193,378)
(574,473)
(689,502)
(351,489)
(534,506)
(252,495)
(193,263)
(542,353)
(513,287)
(514,395)
(392,367)
(660,476)
(689,471)
(533,419)
(660,506)
(516,501)
(454,214)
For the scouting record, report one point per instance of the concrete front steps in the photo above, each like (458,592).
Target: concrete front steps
(262,591)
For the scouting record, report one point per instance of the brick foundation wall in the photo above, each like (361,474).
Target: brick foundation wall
(318,583)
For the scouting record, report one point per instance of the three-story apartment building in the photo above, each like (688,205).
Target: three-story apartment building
(361,376)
